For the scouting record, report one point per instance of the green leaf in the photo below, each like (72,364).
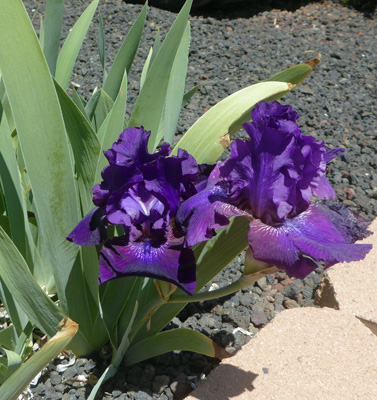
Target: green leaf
(146,65)
(103,107)
(25,290)
(85,146)
(151,56)
(209,136)
(23,346)
(109,372)
(72,45)
(221,250)
(149,105)
(91,106)
(176,88)
(83,308)
(101,45)
(52,31)
(156,47)
(177,339)
(297,73)
(112,127)
(116,295)
(12,191)
(11,363)
(125,56)
(79,101)
(8,337)
(117,356)
(16,314)
(40,125)
(19,381)
(188,95)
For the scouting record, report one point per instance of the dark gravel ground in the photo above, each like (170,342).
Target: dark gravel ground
(337,103)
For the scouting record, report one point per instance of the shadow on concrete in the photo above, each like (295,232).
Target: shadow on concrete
(226,382)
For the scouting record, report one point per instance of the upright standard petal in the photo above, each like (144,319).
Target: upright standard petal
(131,149)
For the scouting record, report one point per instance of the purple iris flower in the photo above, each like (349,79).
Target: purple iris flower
(272,179)
(141,193)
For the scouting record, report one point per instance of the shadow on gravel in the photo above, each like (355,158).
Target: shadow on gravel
(241,382)
(229,9)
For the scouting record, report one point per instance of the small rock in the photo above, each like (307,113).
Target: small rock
(279,298)
(180,387)
(55,378)
(70,372)
(287,281)
(262,282)
(278,286)
(350,193)
(142,396)
(290,303)
(259,318)
(90,365)
(160,382)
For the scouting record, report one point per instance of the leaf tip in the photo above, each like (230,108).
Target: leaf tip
(220,352)
(314,61)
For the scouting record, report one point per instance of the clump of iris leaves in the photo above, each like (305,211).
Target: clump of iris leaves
(147,229)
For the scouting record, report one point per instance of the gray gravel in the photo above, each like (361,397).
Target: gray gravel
(337,103)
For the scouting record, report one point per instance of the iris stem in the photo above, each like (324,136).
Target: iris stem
(244,281)
(146,315)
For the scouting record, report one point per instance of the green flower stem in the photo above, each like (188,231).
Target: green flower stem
(244,281)
(145,315)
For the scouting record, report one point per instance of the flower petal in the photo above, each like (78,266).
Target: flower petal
(324,190)
(319,234)
(132,148)
(200,215)
(275,174)
(91,230)
(120,258)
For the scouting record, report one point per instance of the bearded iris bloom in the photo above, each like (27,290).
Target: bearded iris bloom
(141,193)
(272,180)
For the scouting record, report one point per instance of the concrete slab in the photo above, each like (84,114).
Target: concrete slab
(352,286)
(304,353)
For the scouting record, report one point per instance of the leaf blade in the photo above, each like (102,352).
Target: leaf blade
(149,105)
(217,122)
(25,290)
(71,47)
(40,125)
(18,382)
(125,56)
(177,339)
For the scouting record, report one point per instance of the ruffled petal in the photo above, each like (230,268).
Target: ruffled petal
(131,149)
(324,190)
(120,258)
(172,178)
(331,154)
(319,234)
(91,230)
(200,215)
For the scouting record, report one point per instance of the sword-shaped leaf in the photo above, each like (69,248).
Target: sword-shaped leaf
(71,47)
(176,339)
(19,381)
